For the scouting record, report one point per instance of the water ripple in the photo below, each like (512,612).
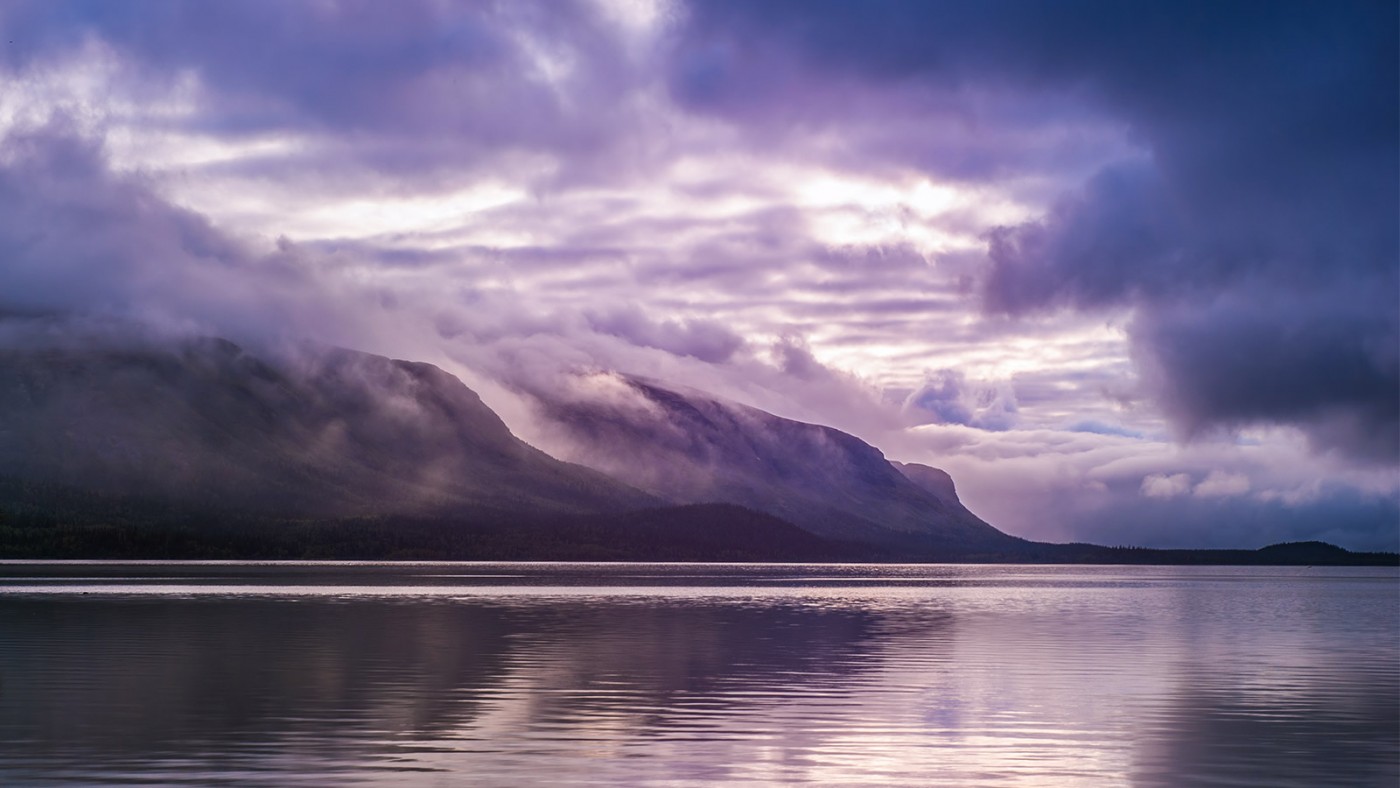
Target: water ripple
(494,674)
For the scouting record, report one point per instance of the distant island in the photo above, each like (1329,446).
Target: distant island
(199,449)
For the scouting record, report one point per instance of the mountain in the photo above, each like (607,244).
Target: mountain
(688,447)
(206,428)
(197,448)
(203,424)
(934,481)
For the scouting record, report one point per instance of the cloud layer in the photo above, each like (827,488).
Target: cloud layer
(1254,237)
(1130,273)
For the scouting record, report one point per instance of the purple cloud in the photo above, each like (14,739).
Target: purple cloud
(1037,232)
(1268,174)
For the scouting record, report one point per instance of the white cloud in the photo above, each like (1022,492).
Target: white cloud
(1160,485)
(1222,484)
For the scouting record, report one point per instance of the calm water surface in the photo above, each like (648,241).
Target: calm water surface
(632,674)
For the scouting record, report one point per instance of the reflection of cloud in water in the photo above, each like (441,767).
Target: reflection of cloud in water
(1299,688)
(1051,675)
(1343,735)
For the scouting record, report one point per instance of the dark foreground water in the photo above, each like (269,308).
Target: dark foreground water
(579,674)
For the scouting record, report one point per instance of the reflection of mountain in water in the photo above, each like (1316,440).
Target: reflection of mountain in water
(151,676)
(700,675)
(158,674)
(683,657)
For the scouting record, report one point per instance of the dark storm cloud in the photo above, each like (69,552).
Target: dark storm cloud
(520,191)
(1268,182)
(1116,242)
(76,238)
(456,80)
(1328,362)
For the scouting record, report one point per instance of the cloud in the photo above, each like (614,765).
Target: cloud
(947,398)
(1222,339)
(1160,485)
(77,238)
(1050,237)
(403,87)
(1064,486)
(1107,245)
(1101,428)
(1327,361)
(1263,179)
(80,239)
(705,340)
(1222,484)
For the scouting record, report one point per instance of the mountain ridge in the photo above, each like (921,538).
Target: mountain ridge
(334,433)
(691,447)
(198,448)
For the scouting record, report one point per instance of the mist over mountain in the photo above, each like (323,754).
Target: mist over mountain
(208,426)
(688,447)
(325,433)
(124,441)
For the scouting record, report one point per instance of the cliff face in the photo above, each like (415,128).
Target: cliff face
(334,433)
(935,481)
(688,447)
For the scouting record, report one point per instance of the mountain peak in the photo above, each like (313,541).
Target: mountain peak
(935,480)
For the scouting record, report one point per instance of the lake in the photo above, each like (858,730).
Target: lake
(697,675)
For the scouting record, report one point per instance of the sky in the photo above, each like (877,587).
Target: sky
(1129,271)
